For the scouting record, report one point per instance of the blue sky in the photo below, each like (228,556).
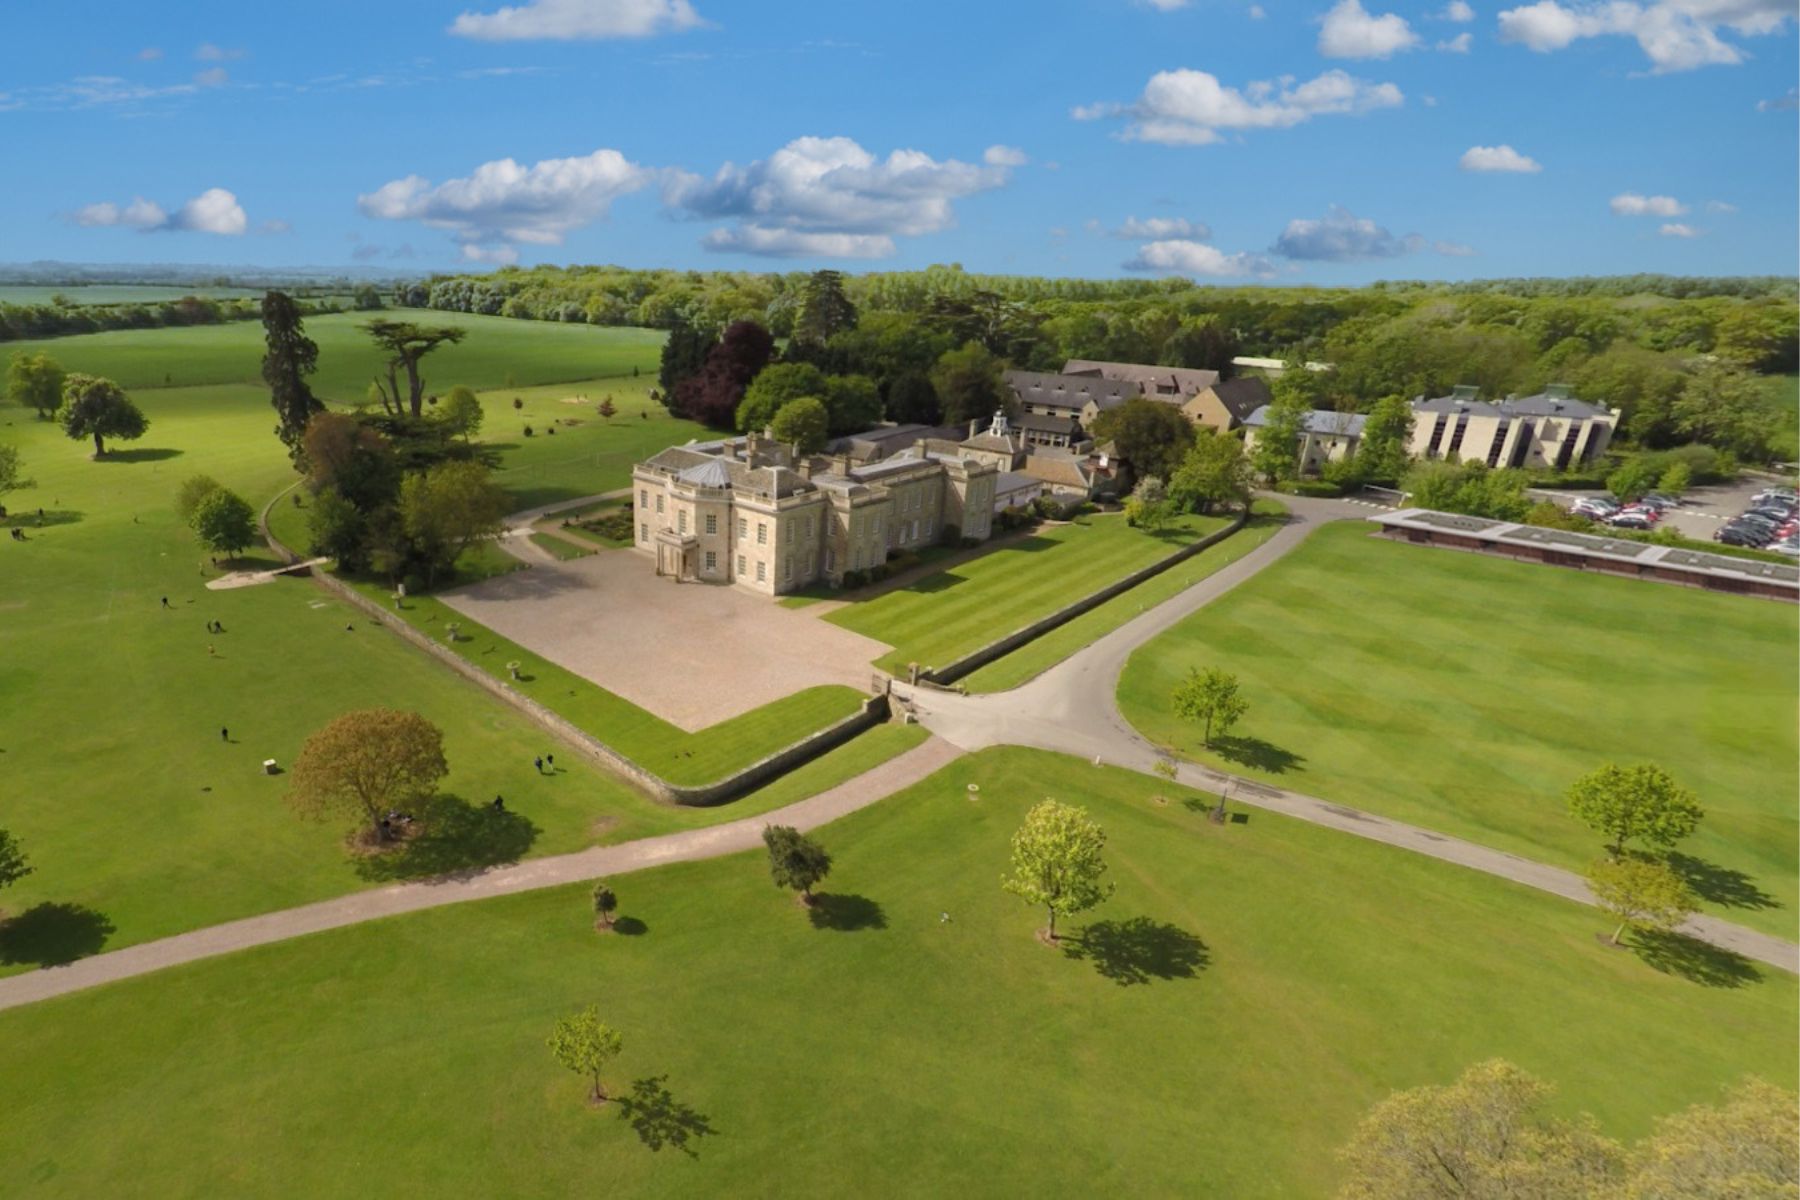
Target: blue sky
(1228,141)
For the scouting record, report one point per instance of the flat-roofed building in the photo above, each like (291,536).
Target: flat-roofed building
(1552,429)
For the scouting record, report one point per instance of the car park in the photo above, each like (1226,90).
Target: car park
(1632,520)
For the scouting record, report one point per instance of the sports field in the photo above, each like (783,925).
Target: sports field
(1214,1030)
(1464,694)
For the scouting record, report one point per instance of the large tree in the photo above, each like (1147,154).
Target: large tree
(1383,452)
(1276,455)
(804,423)
(1743,1149)
(1214,472)
(1640,803)
(1488,1136)
(912,400)
(13,864)
(712,395)
(447,509)
(1152,437)
(12,471)
(1204,342)
(585,1044)
(683,355)
(36,382)
(405,344)
(773,387)
(1056,862)
(224,522)
(1727,408)
(1473,488)
(1210,699)
(970,386)
(98,408)
(1643,893)
(795,860)
(367,763)
(289,358)
(347,455)
(853,403)
(461,412)
(824,309)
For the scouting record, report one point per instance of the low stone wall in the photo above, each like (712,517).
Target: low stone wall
(875,710)
(1000,647)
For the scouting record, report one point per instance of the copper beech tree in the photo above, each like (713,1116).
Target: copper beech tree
(365,764)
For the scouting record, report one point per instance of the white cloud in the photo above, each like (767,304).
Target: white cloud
(213,77)
(502,202)
(1498,158)
(1675,35)
(1351,31)
(1785,103)
(1457,11)
(578,20)
(1678,230)
(275,225)
(149,54)
(1342,236)
(1630,204)
(1183,257)
(1453,249)
(1256,12)
(1165,5)
(1189,108)
(207,52)
(1161,228)
(829,197)
(499,256)
(1004,156)
(1720,206)
(1457,45)
(212,211)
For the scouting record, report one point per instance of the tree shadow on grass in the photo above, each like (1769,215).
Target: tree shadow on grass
(51,934)
(1139,950)
(1719,885)
(140,454)
(1693,959)
(630,927)
(845,914)
(659,1119)
(1258,754)
(457,840)
(28,520)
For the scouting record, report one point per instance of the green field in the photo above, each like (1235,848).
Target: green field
(1041,654)
(1465,693)
(1219,1034)
(497,353)
(140,819)
(949,613)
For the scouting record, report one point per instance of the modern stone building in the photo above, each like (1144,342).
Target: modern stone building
(1553,429)
(749,511)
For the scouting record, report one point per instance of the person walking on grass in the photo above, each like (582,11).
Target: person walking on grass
(224,734)
(539,764)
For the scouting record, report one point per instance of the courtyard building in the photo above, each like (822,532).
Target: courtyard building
(1553,429)
(749,511)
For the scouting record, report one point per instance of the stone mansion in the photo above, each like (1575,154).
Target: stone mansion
(751,512)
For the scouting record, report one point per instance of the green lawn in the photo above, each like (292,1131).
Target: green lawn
(1465,693)
(947,614)
(132,808)
(1040,655)
(1239,1002)
(562,548)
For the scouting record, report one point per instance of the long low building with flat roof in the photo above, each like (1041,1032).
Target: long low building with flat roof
(1594,552)
(1552,429)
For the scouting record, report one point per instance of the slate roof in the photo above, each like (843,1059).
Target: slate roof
(1060,470)
(1553,403)
(1068,392)
(1242,396)
(710,474)
(1151,380)
(1043,423)
(1320,420)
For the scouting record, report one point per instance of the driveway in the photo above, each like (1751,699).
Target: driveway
(694,654)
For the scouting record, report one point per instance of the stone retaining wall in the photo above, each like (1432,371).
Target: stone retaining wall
(875,710)
(1062,616)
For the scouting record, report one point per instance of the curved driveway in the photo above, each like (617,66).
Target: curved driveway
(1073,708)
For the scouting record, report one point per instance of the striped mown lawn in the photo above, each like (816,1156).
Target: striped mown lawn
(1465,693)
(949,613)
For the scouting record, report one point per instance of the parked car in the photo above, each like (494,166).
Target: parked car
(1664,499)
(1735,535)
(1791,548)
(1594,506)
(1632,520)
